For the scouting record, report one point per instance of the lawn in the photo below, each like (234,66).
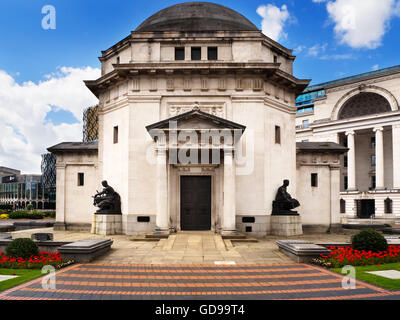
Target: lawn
(24,276)
(386,283)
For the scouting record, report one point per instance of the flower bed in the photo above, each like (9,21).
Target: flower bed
(33,262)
(341,256)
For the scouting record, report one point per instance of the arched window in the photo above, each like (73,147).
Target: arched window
(342,206)
(362,104)
(388,205)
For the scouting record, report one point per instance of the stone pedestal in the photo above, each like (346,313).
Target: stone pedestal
(286,225)
(106,224)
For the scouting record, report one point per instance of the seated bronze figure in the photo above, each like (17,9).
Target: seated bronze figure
(284,203)
(108,201)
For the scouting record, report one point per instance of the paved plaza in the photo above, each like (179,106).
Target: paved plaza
(100,281)
(199,247)
(193,265)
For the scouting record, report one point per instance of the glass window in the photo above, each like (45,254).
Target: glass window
(314,179)
(180,53)
(372,142)
(212,53)
(81,178)
(306,123)
(40,191)
(115,134)
(33,190)
(345,180)
(277,134)
(345,161)
(388,205)
(196,53)
(373,182)
(23,190)
(28,190)
(373,160)
(342,206)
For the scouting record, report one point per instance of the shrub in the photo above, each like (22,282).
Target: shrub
(49,214)
(3,216)
(22,214)
(22,248)
(6,206)
(369,240)
(29,207)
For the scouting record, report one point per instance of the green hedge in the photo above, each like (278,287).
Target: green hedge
(5,206)
(22,247)
(22,214)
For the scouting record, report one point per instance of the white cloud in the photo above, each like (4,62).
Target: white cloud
(319,1)
(375,67)
(316,50)
(362,24)
(344,56)
(274,19)
(25,134)
(298,49)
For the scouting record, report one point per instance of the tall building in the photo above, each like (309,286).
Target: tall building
(196,131)
(362,113)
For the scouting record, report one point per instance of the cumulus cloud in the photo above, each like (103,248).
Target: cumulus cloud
(362,24)
(25,131)
(274,19)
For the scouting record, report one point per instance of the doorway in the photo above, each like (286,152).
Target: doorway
(195,202)
(365,208)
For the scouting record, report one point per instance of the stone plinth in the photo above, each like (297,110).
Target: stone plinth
(106,224)
(85,250)
(286,225)
(301,251)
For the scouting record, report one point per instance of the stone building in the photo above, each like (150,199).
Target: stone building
(362,113)
(196,130)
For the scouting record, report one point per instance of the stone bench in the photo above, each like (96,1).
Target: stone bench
(301,251)
(85,250)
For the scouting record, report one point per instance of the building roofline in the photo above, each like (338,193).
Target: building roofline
(355,78)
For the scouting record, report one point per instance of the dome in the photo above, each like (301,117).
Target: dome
(196,16)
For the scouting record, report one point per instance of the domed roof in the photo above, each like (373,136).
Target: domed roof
(196,16)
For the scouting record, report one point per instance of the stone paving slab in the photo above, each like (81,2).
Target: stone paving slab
(185,282)
(185,247)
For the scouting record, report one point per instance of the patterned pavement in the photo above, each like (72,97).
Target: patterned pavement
(99,281)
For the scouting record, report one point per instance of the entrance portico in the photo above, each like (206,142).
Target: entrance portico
(195,159)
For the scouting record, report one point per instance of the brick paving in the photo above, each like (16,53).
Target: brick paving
(101,281)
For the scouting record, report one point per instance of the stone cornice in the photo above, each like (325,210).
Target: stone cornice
(268,71)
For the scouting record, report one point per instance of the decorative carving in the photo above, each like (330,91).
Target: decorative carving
(221,84)
(216,110)
(135,84)
(204,84)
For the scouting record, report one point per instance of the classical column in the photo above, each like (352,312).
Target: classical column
(351,162)
(229,212)
(379,164)
(162,223)
(396,155)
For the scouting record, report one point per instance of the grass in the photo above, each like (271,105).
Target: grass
(386,283)
(24,275)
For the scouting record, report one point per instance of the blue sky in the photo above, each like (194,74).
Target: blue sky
(84,28)
(41,71)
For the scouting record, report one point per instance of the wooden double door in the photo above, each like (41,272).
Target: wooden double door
(365,208)
(195,202)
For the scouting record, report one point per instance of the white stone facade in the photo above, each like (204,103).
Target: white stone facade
(372,136)
(250,86)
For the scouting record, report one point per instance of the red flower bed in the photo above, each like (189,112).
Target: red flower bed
(33,262)
(341,256)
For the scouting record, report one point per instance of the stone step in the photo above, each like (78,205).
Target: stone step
(248,240)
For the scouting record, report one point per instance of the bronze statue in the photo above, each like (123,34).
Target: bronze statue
(108,201)
(284,203)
